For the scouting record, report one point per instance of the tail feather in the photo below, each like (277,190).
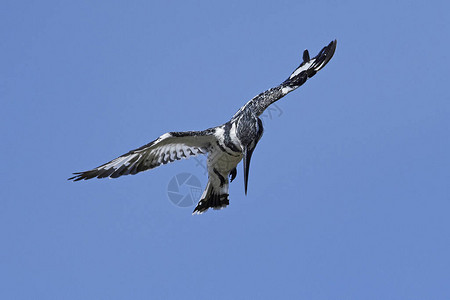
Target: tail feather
(211,198)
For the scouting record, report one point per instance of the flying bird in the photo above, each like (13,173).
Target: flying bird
(225,145)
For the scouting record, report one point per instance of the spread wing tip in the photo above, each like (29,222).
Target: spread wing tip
(331,49)
(324,56)
(83,175)
(77,174)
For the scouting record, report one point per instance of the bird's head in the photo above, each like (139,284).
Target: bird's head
(249,131)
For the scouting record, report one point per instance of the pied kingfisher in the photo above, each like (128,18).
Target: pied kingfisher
(226,145)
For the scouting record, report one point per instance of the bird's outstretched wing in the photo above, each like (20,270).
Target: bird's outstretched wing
(310,66)
(307,69)
(167,148)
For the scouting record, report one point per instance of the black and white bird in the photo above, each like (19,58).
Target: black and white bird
(226,145)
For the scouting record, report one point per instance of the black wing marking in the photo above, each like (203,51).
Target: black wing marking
(307,69)
(167,148)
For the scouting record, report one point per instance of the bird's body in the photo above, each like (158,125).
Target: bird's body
(226,145)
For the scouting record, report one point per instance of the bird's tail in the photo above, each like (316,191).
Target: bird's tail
(211,198)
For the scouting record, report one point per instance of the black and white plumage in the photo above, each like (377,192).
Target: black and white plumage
(226,145)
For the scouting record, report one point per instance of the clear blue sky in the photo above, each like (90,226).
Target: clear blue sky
(349,188)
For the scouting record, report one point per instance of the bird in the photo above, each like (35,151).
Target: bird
(225,145)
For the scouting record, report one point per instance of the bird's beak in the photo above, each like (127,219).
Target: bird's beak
(247,156)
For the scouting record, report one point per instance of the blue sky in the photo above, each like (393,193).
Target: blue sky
(349,187)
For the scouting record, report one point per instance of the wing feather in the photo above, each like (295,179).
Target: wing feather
(167,148)
(307,69)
